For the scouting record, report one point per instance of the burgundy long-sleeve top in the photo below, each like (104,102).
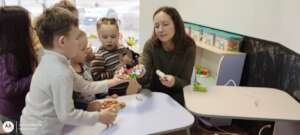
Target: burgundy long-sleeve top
(12,88)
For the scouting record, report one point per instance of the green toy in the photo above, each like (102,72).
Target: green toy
(131,41)
(92,36)
(199,87)
(133,75)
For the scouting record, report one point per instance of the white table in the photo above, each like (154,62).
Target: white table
(154,115)
(243,103)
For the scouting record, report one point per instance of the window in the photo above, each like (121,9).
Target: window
(127,11)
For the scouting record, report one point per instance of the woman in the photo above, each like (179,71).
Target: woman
(17,60)
(170,50)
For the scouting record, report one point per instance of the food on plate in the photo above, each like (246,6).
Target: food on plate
(112,104)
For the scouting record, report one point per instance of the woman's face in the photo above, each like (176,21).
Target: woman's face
(163,27)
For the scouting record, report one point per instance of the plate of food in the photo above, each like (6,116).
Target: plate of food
(112,104)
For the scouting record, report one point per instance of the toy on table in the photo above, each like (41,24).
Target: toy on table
(199,87)
(201,71)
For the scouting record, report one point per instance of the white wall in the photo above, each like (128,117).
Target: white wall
(255,18)
(290,24)
(147,9)
(273,20)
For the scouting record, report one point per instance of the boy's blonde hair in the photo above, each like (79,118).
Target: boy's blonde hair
(108,21)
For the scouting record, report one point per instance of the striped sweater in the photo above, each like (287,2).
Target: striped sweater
(105,64)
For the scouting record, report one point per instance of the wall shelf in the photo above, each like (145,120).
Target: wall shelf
(222,65)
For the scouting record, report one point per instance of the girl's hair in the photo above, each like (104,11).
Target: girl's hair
(180,39)
(66,4)
(109,21)
(16,39)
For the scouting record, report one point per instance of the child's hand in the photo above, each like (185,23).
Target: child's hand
(107,117)
(167,80)
(121,74)
(94,106)
(118,78)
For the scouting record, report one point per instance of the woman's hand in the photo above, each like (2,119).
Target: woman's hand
(167,80)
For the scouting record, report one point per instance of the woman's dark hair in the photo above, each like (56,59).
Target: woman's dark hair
(180,39)
(16,39)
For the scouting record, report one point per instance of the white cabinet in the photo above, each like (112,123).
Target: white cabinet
(222,65)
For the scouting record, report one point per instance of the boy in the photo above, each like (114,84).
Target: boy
(49,105)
